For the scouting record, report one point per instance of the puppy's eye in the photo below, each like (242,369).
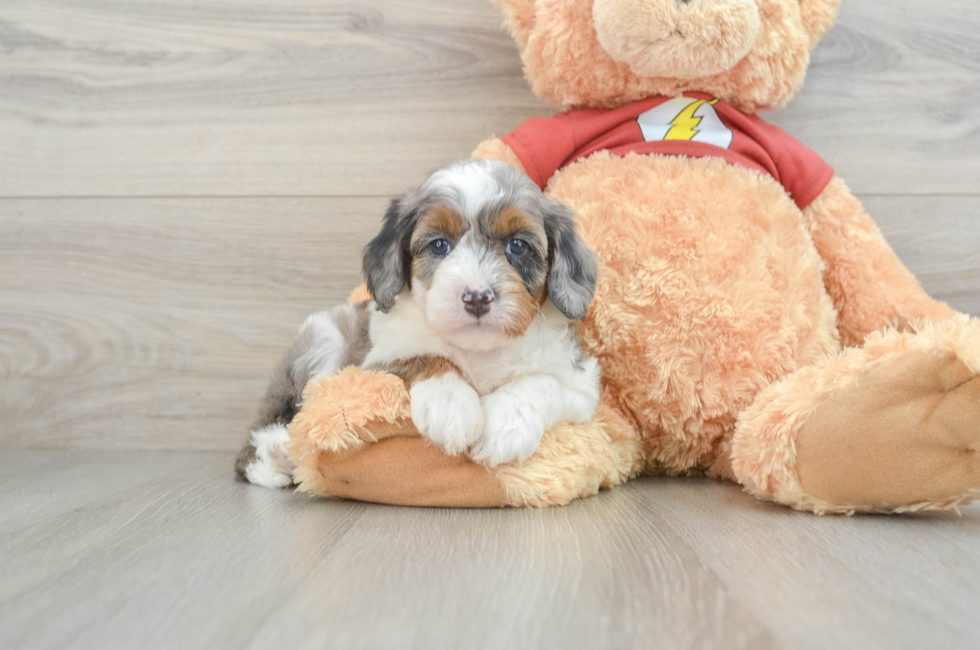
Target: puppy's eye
(440,247)
(516,247)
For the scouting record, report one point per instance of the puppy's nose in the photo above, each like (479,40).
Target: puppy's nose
(477,302)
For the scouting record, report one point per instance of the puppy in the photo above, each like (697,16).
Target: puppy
(477,278)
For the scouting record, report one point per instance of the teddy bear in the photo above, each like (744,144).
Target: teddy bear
(751,322)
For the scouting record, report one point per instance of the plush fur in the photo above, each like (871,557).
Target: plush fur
(568,65)
(738,336)
(765,454)
(701,302)
(682,40)
(861,272)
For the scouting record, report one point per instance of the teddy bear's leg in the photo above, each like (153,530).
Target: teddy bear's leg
(869,285)
(890,427)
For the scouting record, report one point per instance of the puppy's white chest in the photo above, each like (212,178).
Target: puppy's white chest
(545,348)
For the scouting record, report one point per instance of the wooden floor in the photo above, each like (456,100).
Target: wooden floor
(161,550)
(181,182)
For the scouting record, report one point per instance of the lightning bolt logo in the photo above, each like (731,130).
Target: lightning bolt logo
(685,119)
(685,125)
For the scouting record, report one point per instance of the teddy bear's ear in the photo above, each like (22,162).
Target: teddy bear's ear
(518,17)
(818,16)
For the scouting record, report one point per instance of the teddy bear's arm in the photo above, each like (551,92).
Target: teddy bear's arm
(869,285)
(497,149)
(354,438)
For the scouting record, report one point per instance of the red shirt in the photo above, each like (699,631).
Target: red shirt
(694,125)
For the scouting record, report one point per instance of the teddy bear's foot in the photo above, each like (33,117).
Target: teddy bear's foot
(905,434)
(890,427)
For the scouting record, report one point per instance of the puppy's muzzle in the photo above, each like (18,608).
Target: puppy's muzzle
(477,302)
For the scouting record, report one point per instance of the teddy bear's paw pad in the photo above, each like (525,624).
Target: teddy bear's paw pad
(904,434)
(447,411)
(512,432)
(271,466)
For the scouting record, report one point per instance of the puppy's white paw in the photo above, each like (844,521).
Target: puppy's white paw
(446,410)
(513,430)
(271,467)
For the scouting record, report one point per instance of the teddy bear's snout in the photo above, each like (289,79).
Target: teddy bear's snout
(684,39)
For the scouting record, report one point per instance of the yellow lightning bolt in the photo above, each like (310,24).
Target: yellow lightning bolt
(685,124)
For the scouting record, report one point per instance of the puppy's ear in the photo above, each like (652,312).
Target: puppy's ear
(574,271)
(387,258)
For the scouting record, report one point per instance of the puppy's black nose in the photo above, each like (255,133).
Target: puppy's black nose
(477,302)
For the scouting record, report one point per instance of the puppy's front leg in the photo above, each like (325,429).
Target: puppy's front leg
(518,413)
(445,409)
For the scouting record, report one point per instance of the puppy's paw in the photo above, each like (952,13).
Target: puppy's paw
(271,467)
(447,411)
(512,432)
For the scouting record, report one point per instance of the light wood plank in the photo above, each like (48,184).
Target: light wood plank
(192,559)
(243,97)
(318,97)
(153,324)
(832,582)
(889,99)
(939,241)
(164,550)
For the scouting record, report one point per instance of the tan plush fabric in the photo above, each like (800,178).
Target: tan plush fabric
(666,38)
(495,149)
(568,66)
(360,294)
(576,461)
(700,302)
(901,433)
(868,284)
(354,438)
(817,17)
(888,427)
